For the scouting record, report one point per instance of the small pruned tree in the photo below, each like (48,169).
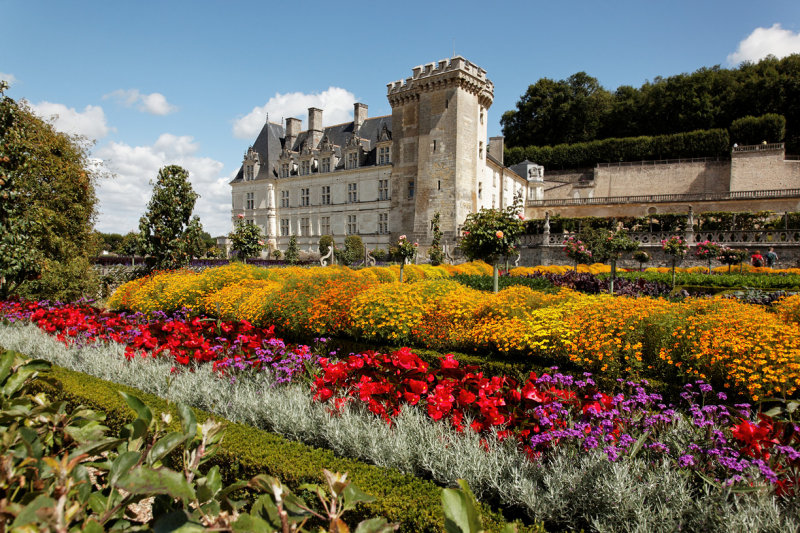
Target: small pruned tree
(676,248)
(577,251)
(167,231)
(492,234)
(353,250)
(609,246)
(325,244)
(731,256)
(246,239)
(292,254)
(708,250)
(405,250)
(641,257)
(435,252)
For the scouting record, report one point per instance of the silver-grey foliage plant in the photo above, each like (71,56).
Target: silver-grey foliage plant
(568,487)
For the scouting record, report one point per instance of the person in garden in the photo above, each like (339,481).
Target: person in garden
(757,259)
(771,257)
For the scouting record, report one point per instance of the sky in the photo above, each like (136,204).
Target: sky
(154,83)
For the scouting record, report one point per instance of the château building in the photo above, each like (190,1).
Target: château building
(382,177)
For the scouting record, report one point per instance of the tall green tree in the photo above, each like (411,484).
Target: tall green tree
(47,208)
(553,112)
(168,234)
(578,109)
(246,240)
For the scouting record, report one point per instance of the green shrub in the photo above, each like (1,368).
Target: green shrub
(754,130)
(700,143)
(246,452)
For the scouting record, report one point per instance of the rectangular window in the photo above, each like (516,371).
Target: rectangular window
(352,160)
(326,164)
(383,223)
(305,168)
(352,193)
(285,170)
(250,201)
(384,155)
(248,172)
(352,225)
(305,197)
(284,227)
(325,225)
(480,190)
(284,198)
(305,226)
(325,197)
(383,189)
(410,189)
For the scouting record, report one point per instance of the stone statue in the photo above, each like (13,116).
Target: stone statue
(547,222)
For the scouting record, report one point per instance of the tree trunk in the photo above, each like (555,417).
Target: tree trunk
(402,264)
(673,272)
(494,277)
(613,275)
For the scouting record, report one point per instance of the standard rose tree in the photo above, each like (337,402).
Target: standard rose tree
(492,234)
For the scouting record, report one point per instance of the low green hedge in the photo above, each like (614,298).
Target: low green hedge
(245,452)
(765,281)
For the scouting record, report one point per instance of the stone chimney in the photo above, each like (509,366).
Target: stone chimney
(292,130)
(314,127)
(359,114)
(496,146)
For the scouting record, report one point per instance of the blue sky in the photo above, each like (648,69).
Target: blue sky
(189,82)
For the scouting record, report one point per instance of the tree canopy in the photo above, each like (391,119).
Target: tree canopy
(579,109)
(47,210)
(168,233)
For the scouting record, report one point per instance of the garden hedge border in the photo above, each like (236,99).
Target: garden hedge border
(246,451)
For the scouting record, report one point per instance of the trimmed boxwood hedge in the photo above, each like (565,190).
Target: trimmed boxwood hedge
(245,452)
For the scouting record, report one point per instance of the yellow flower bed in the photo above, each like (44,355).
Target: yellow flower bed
(241,301)
(749,348)
(745,345)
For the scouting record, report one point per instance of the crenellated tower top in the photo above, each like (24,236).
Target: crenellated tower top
(453,72)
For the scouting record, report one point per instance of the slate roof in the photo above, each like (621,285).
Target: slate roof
(270,140)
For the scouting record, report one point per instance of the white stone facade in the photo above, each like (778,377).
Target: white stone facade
(385,176)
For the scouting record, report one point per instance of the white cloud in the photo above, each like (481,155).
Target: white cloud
(91,122)
(124,198)
(336,104)
(765,41)
(10,78)
(153,103)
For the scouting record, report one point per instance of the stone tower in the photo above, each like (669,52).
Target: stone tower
(439,146)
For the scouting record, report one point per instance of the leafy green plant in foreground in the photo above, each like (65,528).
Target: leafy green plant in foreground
(62,472)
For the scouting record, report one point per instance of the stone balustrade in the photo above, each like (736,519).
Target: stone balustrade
(666,198)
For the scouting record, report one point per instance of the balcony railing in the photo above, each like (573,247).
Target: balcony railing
(758,147)
(663,198)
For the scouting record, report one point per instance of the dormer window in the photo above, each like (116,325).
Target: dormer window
(285,170)
(326,164)
(352,160)
(384,155)
(305,168)
(249,173)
